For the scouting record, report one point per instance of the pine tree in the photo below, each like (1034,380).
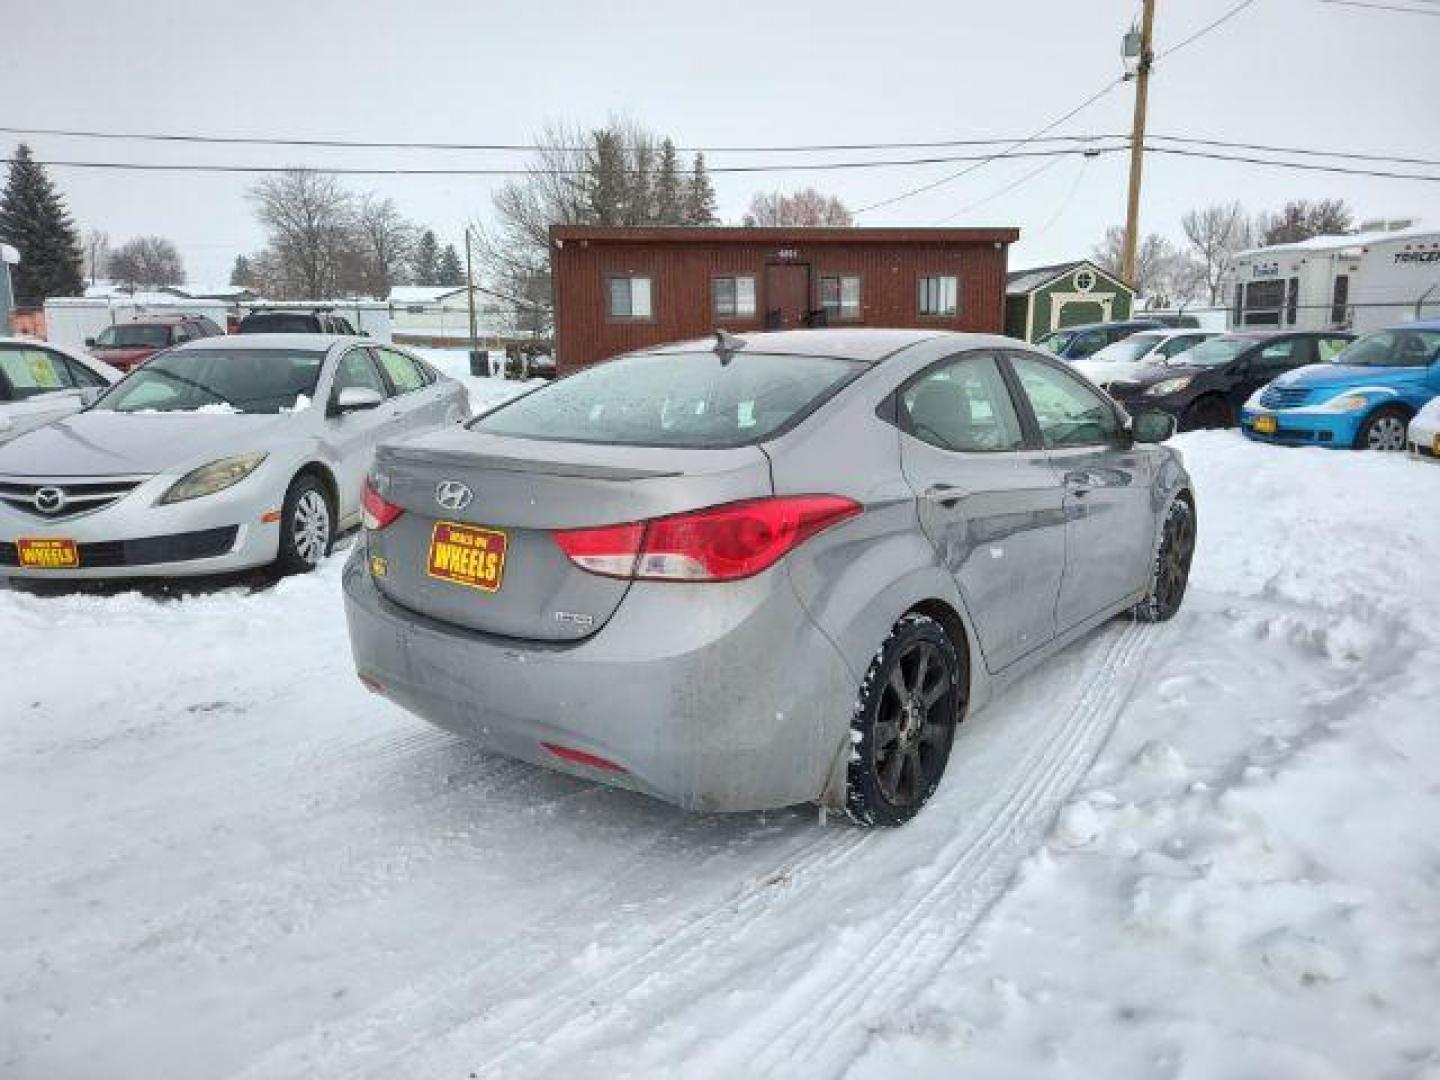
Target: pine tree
(606,188)
(669,200)
(700,205)
(449,270)
(241,274)
(425,263)
(34,221)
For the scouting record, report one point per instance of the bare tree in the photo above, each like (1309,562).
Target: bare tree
(1217,233)
(1302,219)
(386,240)
(1164,276)
(147,261)
(311,220)
(806,208)
(97,254)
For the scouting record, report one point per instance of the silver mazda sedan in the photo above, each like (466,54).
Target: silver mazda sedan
(218,455)
(744,574)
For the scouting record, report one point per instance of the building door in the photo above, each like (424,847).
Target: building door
(787,295)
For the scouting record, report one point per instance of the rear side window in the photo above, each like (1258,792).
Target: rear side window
(681,400)
(963,405)
(28,372)
(403,372)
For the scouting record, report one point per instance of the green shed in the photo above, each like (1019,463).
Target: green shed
(1066,294)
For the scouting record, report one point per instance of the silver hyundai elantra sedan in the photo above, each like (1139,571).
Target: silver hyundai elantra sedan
(221,454)
(745,574)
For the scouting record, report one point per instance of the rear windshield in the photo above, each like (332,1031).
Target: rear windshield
(279,322)
(219,381)
(675,399)
(134,335)
(1393,348)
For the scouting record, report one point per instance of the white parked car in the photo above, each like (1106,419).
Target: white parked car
(40,383)
(1125,360)
(1423,435)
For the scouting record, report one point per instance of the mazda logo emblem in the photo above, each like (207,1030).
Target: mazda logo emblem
(49,500)
(452,494)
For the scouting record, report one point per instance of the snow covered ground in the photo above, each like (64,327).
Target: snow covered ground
(484,391)
(1204,849)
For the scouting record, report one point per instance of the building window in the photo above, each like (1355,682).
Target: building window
(630,298)
(840,296)
(1263,302)
(1292,300)
(734,297)
(939,295)
(1340,300)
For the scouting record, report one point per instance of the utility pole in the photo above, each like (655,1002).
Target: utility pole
(470,300)
(1137,144)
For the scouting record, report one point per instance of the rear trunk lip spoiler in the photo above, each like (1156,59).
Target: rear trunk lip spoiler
(580,470)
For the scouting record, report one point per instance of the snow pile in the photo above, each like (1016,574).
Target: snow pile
(1206,849)
(1248,882)
(485,391)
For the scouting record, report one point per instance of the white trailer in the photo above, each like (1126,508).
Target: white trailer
(71,320)
(1357,282)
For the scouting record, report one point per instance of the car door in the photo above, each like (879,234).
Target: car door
(421,401)
(988,500)
(354,435)
(1109,524)
(1264,364)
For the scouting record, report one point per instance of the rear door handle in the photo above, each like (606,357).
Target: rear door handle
(1078,484)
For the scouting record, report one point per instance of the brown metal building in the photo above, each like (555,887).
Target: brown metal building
(618,289)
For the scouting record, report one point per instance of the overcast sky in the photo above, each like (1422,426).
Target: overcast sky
(1286,72)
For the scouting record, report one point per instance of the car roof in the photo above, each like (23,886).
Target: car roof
(32,342)
(1146,324)
(870,345)
(272,342)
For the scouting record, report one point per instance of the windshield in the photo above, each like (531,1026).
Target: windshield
(1216,351)
(1392,348)
(131,336)
(1055,342)
(218,381)
(1132,348)
(279,322)
(681,400)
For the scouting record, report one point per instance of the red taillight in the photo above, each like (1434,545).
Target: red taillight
(377,513)
(580,757)
(722,543)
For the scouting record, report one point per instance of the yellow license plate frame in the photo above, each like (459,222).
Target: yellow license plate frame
(468,555)
(1266,425)
(47,553)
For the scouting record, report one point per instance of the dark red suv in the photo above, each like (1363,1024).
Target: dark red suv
(127,345)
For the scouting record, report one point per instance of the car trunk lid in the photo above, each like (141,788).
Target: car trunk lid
(520,491)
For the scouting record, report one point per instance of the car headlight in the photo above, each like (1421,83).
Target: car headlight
(216,476)
(1168,386)
(1347,403)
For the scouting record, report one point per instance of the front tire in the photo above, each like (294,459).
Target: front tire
(1171,573)
(307,526)
(904,723)
(1208,413)
(1383,430)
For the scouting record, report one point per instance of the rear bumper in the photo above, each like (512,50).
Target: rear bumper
(1308,428)
(1423,441)
(714,698)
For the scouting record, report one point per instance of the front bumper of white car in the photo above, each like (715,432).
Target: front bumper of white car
(131,534)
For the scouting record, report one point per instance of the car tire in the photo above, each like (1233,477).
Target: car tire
(307,525)
(1170,575)
(1383,430)
(903,726)
(1208,412)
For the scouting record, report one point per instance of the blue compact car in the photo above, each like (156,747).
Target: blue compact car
(1363,398)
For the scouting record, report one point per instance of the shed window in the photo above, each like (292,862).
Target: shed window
(939,295)
(734,297)
(840,296)
(630,297)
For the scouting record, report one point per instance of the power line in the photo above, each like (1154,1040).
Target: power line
(1008,152)
(345,170)
(1345,154)
(1381,7)
(1236,10)
(1300,165)
(1002,191)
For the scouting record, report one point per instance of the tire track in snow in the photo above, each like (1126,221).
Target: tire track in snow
(968,874)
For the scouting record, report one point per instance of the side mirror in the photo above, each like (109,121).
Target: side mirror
(1152,426)
(358,399)
(89,342)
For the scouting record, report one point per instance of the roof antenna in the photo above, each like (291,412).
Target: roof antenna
(727,345)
